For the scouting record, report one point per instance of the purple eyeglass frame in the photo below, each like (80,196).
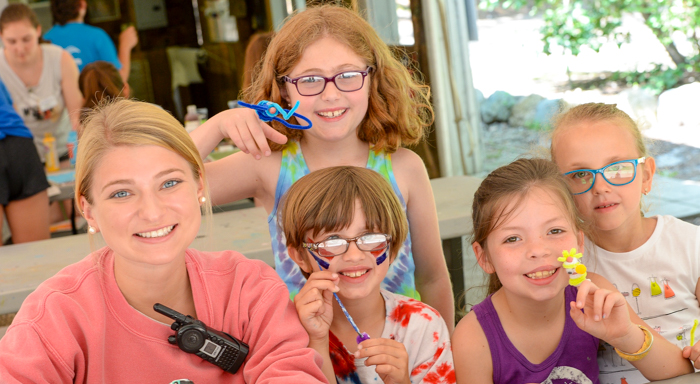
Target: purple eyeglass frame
(328,80)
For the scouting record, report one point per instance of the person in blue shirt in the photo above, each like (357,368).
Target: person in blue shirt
(24,200)
(86,43)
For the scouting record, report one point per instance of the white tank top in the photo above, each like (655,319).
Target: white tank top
(42,106)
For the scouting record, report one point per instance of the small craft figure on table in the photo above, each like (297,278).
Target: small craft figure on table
(572,263)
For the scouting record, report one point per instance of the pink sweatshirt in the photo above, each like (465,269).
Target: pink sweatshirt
(78,327)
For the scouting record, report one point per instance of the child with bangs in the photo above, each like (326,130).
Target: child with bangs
(364,333)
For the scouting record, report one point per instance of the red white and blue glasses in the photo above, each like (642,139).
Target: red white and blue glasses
(376,243)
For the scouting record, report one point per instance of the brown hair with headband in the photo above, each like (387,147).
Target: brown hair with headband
(399,110)
(324,201)
(512,183)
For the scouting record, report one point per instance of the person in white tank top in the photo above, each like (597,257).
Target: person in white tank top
(41,78)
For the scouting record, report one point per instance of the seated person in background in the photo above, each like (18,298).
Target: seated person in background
(139,182)
(23,198)
(100,80)
(41,78)
(87,43)
(321,215)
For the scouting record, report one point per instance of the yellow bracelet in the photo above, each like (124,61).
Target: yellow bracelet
(643,351)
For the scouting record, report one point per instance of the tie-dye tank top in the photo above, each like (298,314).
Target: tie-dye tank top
(399,279)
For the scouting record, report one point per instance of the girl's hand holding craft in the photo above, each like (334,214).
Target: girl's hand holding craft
(389,357)
(244,128)
(605,315)
(692,352)
(314,304)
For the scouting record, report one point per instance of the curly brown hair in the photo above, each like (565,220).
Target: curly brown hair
(399,111)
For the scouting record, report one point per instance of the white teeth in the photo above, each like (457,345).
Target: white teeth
(605,206)
(159,233)
(354,274)
(332,114)
(541,274)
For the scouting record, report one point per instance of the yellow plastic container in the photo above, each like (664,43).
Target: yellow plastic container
(51,159)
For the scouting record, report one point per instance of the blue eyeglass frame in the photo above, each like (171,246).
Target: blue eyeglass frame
(602,170)
(328,80)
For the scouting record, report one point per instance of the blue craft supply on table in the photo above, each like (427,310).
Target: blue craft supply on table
(263,110)
(62,177)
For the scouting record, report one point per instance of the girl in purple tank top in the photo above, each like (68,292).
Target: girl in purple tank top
(534,327)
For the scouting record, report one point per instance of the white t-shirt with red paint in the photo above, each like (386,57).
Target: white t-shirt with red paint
(420,328)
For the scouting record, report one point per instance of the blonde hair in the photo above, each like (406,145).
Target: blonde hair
(593,113)
(123,122)
(513,182)
(324,201)
(399,110)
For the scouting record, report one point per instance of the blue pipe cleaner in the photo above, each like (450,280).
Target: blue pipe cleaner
(361,336)
(263,110)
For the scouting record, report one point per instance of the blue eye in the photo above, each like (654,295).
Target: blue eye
(120,194)
(170,183)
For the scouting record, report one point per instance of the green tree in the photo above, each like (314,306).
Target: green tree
(573,24)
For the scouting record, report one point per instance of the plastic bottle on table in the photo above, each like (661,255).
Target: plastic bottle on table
(51,159)
(192,119)
(72,146)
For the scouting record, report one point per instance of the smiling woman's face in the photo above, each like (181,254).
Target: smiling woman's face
(145,202)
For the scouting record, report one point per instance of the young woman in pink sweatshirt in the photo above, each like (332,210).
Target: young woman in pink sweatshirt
(139,183)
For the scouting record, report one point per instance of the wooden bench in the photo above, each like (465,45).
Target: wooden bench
(24,266)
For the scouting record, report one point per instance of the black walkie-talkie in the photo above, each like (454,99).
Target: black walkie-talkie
(193,336)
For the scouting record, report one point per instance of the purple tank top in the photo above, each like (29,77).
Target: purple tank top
(573,362)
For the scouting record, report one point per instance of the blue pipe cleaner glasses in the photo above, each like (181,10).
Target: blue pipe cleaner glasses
(322,264)
(263,110)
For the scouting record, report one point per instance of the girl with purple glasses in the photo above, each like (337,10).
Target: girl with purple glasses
(364,105)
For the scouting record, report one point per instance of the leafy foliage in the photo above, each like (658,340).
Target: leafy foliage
(573,24)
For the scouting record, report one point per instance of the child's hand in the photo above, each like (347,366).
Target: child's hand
(247,131)
(602,313)
(314,304)
(693,353)
(389,357)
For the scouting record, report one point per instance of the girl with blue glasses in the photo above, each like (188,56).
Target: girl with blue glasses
(653,261)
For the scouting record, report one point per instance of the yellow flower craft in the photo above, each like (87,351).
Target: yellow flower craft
(574,267)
